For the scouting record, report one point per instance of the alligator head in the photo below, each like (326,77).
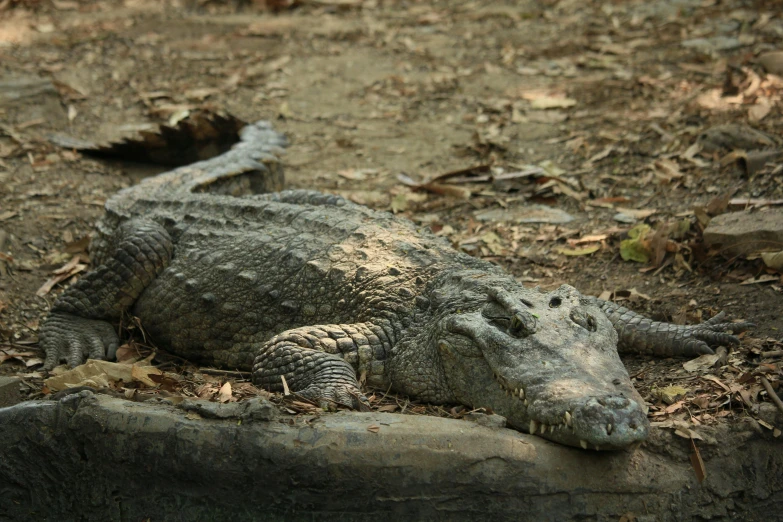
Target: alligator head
(548,362)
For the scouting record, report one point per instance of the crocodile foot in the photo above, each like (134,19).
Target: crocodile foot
(73,339)
(697,338)
(327,397)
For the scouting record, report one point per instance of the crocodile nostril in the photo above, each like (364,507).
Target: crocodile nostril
(617,382)
(555,302)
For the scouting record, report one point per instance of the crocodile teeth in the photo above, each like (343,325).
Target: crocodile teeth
(533,427)
(608,429)
(552,428)
(543,428)
(525,402)
(521,393)
(583,443)
(597,448)
(567,418)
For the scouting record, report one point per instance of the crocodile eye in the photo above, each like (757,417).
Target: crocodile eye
(555,302)
(591,324)
(501,322)
(507,316)
(494,310)
(585,320)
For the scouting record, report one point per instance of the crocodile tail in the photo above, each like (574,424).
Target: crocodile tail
(252,166)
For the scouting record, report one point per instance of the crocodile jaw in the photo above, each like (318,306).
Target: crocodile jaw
(575,413)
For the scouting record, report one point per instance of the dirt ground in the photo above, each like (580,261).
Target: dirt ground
(590,108)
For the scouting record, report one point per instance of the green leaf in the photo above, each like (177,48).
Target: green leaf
(399,203)
(635,248)
(585,251)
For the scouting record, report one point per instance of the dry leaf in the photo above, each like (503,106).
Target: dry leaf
(671,394)
(767,278)
(7,354)
(701,363)
(100,374)
(48,285)
(759,111)
(601,155)
(69,266)
(765,424)
(225,395)
(593,238)
(773,260)
(666,170)
(551,102)
(579,251)
(357,174)
(717,381)
(447,190)
(142,374)
(698,463)
(637,213)
(493,242)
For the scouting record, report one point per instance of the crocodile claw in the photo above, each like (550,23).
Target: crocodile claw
(345,395)
(700,338)
(75,339)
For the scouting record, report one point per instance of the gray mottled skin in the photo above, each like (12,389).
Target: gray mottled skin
(320,291)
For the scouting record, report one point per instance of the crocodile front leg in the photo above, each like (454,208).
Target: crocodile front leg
(638,334)
(320,362)
(78,326)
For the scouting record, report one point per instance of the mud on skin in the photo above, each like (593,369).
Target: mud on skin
(318,290)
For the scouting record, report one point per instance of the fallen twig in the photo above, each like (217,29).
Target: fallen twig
(723,356)
(226,373)
(772,395)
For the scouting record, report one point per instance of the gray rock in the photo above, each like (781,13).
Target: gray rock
(100,458)
(257,409)
(740,233)
(9,391)
(770,414)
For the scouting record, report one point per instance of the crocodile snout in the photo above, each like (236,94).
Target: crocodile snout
(609,421)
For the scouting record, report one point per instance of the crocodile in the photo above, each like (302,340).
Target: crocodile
(318,296)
